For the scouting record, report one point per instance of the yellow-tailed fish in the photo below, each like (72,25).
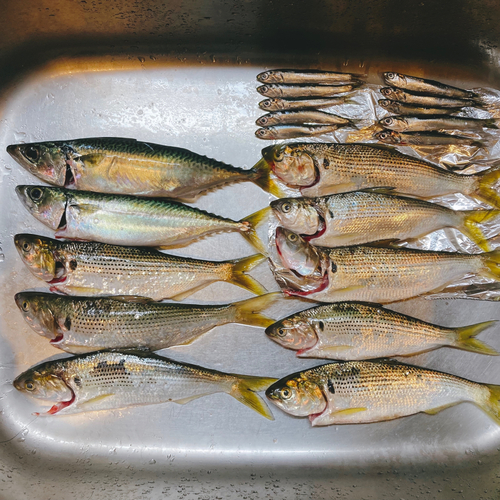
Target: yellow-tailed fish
(359,392)
(130,220)
(355,330)
(84,324)
(107,380)
(319,169)
(88,268)
(372,274)
(363,217)
(127,166)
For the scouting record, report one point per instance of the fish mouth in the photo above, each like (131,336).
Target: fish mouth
(57,340)
(61,405)
(321,229)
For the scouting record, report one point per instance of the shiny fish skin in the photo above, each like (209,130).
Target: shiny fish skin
(127,166)
(424,100)
(363,217)
(432,87)
(425,139)
(108,380)
(294,76)
(129,220)
(319,169)
(399,108)
(372,274)
(293,92)
(89,268)
(416,124)
(84,324)
(298,117)
(355,392)
(277,104)
(354,331)
(293,131)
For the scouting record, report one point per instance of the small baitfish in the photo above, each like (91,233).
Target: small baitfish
(359,392)
(425,139)
(365,216)
(306,76)
(298,91)
(425,100)
(107,380)
(88,268)
(425,124)
(130,220)
(126,166)
(372,274)
(355,330)
(400,108)
(301,117)
(84,324)
(278,104)
(293,131)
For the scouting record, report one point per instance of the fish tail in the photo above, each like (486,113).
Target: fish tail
(247,311)
(244,390)
(491,123)
(250,225)
(484,186)
(262,177)
(471,219)
(466,341)
(492,404)
(239,277)
(491,262)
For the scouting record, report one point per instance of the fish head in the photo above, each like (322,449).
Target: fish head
(47,204)
(270,77)
(297,396)
(46,382)
(291,165)
(394,79)
(37,311)
(296,253)
(293,333)
(297,214)
(267,133)
(388,92)
(38,253)
(268,104)
(394,123)
(388,136)
(45,160)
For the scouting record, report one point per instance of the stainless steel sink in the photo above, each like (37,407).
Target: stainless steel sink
(183,73)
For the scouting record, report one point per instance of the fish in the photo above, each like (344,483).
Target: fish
(292,131)
(366,216)
(298,91)
(399,108)
(425,100)
(85,324)
(96,269)
(106,380)
(432,87)
(308,76)
(127,166)
(300,117)
(129,220)
(277,104)
(319,169)
(372,274)
(355,331)
(416,124)
(359,392)
(425,139)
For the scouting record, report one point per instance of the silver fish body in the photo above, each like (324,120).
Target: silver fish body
(416,124)
(425,139)
(293,131)
(355,392)
(298,91)
(277,104)
(300,117)
(354,331)
(424,100)
(400,108)
(108,380)
(294,76)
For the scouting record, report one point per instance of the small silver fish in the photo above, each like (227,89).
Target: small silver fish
(416,124)
(424,100)
(425,139)
(294,76)
(293,92)
(399,108)
(301,117)
(287,105)
(293,131)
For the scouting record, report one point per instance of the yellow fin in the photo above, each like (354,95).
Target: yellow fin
(470,226)
(252,222)
(131,298)
(262,177)
(184,401)
(247,311)
(349,411)
(491,261)
(95,400)
(82,290)
(240,278)
(93,160)
(433,411)
(485,186)
(187,293)
(492,405)
(243,391)
(466,341)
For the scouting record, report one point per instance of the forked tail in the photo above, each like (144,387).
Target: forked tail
(491,263)
(247,312)
(485,186)
(470,225)
(249,226)
(238,275)
(262,177)
(492,404)
(244,390)
(466,338)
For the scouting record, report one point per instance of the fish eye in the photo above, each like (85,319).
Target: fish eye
(383,135)
(265,75)
(30,386)
(292,237)
(286,207)
(36,194)
(25,306)
(26,246)
(286,393)
(281,332)
(388,120)
(391,75)
(32,153)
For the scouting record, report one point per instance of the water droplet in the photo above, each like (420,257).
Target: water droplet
(152,462)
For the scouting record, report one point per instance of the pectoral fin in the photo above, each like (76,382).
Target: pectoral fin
(184,401)
(433,411)
(93,160)
(187,293)
(349,411)
(92,401)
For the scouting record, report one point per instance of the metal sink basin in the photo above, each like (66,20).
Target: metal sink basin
(183,74)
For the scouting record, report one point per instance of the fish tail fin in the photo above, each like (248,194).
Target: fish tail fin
(491,123)
(466,341)
(247,312)
(492,404)
(491,261)
(250,225)
(484,186)
(239,277)
(471,219)
(244,390)
(262,177)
